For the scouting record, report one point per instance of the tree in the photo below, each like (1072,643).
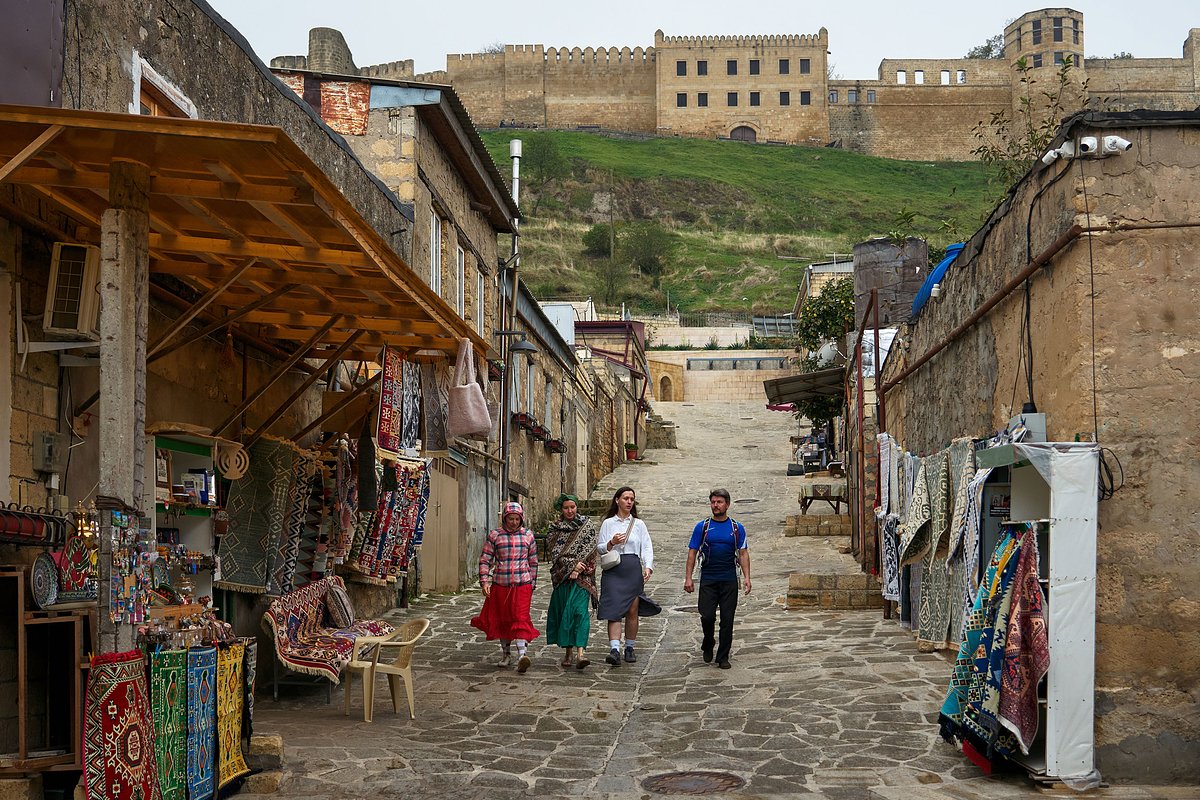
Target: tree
(543,163)
(992,48)
(829,315)
(647,246)
(494,47)
(613,273)
(598,240)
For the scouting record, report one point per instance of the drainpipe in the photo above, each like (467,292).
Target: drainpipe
(507,321)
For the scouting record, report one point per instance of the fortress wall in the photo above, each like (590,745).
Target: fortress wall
(1166,84)
(392,70)
(925,123)
(478,78)
(979,71)
(525,84)
(610,87)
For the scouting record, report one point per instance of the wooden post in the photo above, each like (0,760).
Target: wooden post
(124,313)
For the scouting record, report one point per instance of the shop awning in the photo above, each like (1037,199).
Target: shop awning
(240,205)
(806,386)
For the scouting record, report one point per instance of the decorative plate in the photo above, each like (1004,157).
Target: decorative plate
(44,581)
(77,564)
(162,573)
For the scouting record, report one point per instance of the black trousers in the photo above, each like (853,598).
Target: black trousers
(716,595)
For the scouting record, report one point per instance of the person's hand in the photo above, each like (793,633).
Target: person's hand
(574,575)
(646,573)
(688,586)
(746,584)
(487,589)
(579,567)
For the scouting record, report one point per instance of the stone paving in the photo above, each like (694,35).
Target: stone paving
(835,705)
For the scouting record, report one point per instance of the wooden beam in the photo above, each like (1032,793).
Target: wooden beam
(198,188)
(247,249)
(308,277)
(71,207)
(350,398)
(224,322)
(44,138)
(286,223)
(333,358)
(326,306)
(197,209)
(198,306)
(400,340)
(387,324)
(279,372)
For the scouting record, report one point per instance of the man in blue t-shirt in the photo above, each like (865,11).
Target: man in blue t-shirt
(721,543)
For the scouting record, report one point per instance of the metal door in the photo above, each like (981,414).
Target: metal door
(441,552)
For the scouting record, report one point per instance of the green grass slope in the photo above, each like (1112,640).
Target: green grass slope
(746,219)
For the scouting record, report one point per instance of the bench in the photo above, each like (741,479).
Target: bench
(305,642)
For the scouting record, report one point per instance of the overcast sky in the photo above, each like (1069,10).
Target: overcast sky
(861,32)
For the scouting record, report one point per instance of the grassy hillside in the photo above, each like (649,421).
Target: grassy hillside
(746,219)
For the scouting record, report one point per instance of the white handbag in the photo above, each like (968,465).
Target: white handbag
(467,411)
(611,558)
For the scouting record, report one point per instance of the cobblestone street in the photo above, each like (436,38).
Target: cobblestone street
(832,705)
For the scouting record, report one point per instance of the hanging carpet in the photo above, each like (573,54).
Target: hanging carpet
(1027,652)
(230,697)
(914,532)
(249,673)
(202,722)
(168,701)
(933,614)
(118,731)
(286,558)
(258,507)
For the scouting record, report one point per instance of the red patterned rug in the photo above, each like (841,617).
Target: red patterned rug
(118,731)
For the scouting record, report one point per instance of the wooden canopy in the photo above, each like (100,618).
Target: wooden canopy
(242,215)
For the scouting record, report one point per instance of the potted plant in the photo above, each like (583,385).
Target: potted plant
(540,432)
(556,445)
(631,451)
(523,420)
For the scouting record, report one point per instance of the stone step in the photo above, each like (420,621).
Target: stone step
(856,591)
(817,525)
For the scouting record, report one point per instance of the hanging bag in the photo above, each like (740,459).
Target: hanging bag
(467,412)
(611,558)
(492,406)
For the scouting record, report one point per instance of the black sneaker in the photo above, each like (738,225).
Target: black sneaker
(725,665)
(707,652)
(629,655)
(613,657)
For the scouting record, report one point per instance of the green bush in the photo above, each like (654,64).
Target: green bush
(597,241)
(647,246)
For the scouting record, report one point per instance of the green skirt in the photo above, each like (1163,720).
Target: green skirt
(568,621)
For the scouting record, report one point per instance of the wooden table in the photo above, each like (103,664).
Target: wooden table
(831,490)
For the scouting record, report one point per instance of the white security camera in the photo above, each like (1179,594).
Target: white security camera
(1050,157)
(1088,145)
(1115,144)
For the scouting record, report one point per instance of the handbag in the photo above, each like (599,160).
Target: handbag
(493,412)
(611,558)
(467,410)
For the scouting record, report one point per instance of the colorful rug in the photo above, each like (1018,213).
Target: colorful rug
(410,413)
(972,523)
(258,508)
(302,642)
(891,557)
(1027,653)
(168,701)
(249,674)
(286,558)
(202,722)
(118,730)
(436,380)
(346,504)
(933,614)
(230,697)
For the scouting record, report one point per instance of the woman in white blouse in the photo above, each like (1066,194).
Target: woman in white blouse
(621,586)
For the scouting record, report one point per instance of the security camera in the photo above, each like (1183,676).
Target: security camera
(1050,157)
(1088,145)
(1115,144)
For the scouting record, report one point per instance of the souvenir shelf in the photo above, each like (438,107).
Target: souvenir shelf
(1054,483)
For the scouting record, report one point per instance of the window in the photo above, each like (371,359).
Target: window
(962,76)
(1058,58)
(435,253)
(833,95)
(1074,31)
(153,103)
(806,98)
(702,99)
(681,68)
(918,76)
(480,300)
(460,281)
(1057,29)
(945,77)
(1036,32)
(731,67)
(530,380)
(851,95)
(1037,60)
(785,66)
(754,66)
(785,98)
(548,421)
(731,99)
(681,100)
(514,388)
(754,98)
(701,67)
(805,66)
(870,95)
(901,76)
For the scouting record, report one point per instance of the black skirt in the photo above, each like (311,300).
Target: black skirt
(620,586)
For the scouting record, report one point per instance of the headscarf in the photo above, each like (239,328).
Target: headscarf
(571,542)
(562,498)
(513,508)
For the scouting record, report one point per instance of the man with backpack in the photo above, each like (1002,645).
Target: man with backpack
(721,544)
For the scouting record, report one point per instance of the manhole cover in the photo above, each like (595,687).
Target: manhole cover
(747,500)
(693,609)
(693,782)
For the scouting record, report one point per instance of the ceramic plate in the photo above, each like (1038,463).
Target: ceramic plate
(44,580)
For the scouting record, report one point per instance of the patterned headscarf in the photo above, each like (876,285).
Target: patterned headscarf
(513,508)
(562,498)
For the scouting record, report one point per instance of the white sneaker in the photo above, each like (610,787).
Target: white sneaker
(505,660)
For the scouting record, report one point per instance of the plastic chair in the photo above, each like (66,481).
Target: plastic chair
(365,660)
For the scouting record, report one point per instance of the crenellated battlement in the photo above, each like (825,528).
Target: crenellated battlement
(392,70)
(437,76)
(602,56)
(289,62)
(475,58)
(819,39)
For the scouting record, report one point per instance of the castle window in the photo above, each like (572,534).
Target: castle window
(1036,36)
(754,99)
(918,76)
(870,95)
(681,100)
(945,77)
(806,98)
(805,66)
(1037,60)
(731,67)
(784,66)
(1074,31)
(1058,58)
(901,76)
(731,99)
(851,95)
(681,68)
(702,99)
(1058,29)
(962,76)
(785,98)
(754,66)
(701,67)
(833,95)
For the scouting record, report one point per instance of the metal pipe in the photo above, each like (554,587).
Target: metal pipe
(507,322)
(878,368)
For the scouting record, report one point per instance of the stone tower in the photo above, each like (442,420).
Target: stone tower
(1045,39)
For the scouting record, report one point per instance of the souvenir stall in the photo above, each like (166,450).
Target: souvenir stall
(989,549)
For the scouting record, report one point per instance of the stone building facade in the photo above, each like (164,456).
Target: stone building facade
(776,88)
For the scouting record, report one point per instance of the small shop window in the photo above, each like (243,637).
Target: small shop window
(681,100)
(785,98)
(754,98)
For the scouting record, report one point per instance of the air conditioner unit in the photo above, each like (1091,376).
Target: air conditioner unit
(73,295)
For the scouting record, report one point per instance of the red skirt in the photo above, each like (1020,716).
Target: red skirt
(505,613)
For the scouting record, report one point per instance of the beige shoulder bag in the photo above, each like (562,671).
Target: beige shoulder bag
(610,559)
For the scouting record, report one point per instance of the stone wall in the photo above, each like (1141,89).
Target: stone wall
(894,272)
(667,383)
(721,384)
(607,87)
(1147,368)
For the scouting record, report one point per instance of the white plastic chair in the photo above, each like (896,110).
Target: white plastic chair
(365,660)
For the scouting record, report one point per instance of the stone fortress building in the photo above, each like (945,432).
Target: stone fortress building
(776,88)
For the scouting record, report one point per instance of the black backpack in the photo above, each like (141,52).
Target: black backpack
(737,562)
